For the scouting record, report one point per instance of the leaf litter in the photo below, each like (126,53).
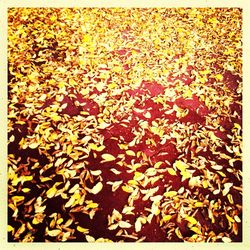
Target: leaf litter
(125,124)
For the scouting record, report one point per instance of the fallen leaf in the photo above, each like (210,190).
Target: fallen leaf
(108,157)
(97,188)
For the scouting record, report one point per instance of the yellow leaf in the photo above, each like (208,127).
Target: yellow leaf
(128,210)
(72,82)
(171,171)
(147,115)
(85,91)
(26,190)
(158,164)
(96,172)
(124,224)
(12,138)
(70,201)
(219,77)
(198,204)
(96,148)
(33,77)
(55,117)
(166,217)
(97,188)
(132,182)
(196,230)
(87,38)
(205,183)
(226,239)
(182,166)
(53,18)
(35,221)
(92,205)
(74,188)
(108,157)
(170,194)
(115,171)
(10,228)
(191,220)
(130,153)
(61,85)
(151,172)
(117,69)
(99,86)
(59,221)
(112,85)
(51,192)
(82,229)
(187,94)
(34,145)
(127,189)
(178,233)
(17,199)
(54,233)
(138,225)
(43,179)
(90,238)
(230,219)
(185,175)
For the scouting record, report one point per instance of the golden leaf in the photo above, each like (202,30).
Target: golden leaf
(124,224)
(90,238)
(198,204)
(82,230)
(113,226)
(17,199)
(115,171)
(158,164)
(196,230)
(95,172)
(171,171)
(10,229)
(115,185)
(112,85)
(147,115)
(138,225)
(74,188)
(219,77)
(26,190)
(191,220)
(96,148)
(182,166)
(226,239)
(167,217)
(54,233)
(151,172)
(51,192)
(230,219)
(108,157)
(127,189)
(97,188)
(130,153)
(128,210)
(34,145)
(70,202)
(92,205)
(59,221)
(170,194)
(12,138)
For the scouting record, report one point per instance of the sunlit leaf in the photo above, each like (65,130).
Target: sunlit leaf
(54,233)
(108,157)
(97,188)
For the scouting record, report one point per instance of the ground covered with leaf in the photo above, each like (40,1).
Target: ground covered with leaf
(124,125)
